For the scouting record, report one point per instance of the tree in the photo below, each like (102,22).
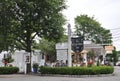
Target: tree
(35,17)
(91,29)
(118,52)
(31,18)
(103,36)
(5,24)
(48,47)
(115,56)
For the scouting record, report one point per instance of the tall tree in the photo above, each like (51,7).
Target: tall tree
(91,29)
(103,36)
(30,18)
(5,24)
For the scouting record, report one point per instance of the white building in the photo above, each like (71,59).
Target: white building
(20,59)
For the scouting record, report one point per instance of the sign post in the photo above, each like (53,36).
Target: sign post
(27,60)
(69,46)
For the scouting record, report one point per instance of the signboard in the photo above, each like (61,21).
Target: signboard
(77,44)
(62,45)
(62,55)
(109,48)
(27,57)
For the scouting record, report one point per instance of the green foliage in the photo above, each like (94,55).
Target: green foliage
(45,46)
(86,25)
(112,57)
(91,55)
(23,20)
(9,70)
(35,65)
(77,70)
(98,63)
(118,52)
(91,29)
(64,38)
(48,47)
(109,57)
(115,56)
(9,59)
(5,24)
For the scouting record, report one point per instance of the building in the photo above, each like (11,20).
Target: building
(81,58)
(62,51)
(108,53)
(21,58)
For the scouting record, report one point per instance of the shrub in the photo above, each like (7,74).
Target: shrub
(35,65)
(90,64)
(77,70)
(8,70)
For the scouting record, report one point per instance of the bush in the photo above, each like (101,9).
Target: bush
(77,70)
(35,65)
(8,70)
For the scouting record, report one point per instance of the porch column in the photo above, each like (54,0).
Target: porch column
(85,56)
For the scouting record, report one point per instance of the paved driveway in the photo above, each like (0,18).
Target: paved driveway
(19,77)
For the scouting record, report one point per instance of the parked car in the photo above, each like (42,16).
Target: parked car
(118,63)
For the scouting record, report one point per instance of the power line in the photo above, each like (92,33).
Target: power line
(115,31)
(116,40)
(115,28)
(116,35)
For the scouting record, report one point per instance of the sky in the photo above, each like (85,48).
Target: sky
(106,12)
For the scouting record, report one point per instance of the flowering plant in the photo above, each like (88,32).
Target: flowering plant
(90,63)
(35,65)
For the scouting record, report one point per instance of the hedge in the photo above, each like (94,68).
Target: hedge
(77,70)
(8,70)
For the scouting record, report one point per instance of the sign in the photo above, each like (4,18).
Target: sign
(62,55)
(109,48)
(77,44)
(27,57)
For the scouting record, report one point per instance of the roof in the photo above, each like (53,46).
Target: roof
(89,46)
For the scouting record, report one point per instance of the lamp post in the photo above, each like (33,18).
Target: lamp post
(69,46)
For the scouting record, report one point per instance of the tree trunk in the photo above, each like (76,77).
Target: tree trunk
(28,49)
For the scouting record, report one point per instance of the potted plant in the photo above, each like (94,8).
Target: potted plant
(35,67)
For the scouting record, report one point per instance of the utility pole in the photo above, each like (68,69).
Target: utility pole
(69,46)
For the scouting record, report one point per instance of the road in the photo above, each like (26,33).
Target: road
(21,77)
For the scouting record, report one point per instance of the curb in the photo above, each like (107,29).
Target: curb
(75,76)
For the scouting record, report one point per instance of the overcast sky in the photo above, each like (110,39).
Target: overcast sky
(106,12)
